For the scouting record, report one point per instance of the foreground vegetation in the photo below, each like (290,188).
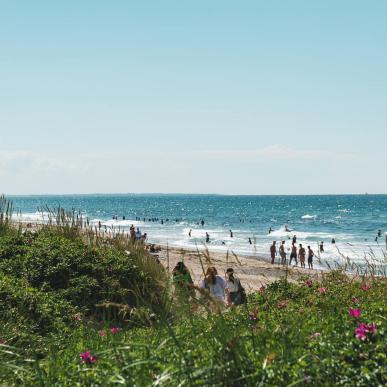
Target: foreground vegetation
(77,310)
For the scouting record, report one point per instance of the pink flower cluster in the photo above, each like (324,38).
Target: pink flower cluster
(363,329)
(87,358)
(365,287)
(308,283)
(356,313)
(322,290)
(115,330)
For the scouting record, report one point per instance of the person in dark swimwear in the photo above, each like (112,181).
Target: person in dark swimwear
(333,241)
(270,230)
(207,237)
(190,233)
(231,234)
(250,241)
(293,254)
(294,239)
(321,247)
(273,252)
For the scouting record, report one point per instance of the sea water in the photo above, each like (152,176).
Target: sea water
(352,220)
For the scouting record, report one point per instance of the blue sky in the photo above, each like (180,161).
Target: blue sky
(246,97)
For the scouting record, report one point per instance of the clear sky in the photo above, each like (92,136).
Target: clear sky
(203,96)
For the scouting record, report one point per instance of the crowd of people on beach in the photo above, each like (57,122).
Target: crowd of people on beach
(227,290)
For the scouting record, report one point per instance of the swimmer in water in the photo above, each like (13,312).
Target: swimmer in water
(207,237)
(190,232)
(270,230)
(321,247)
(231,234)
(250,241)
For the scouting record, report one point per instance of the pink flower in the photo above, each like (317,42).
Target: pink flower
(322,290)
(356,313)
(371,328)
(87,358)
(102,333)
(362,330)
(314,336)
(308,283)
(115,330)
(365,287)
(262,289)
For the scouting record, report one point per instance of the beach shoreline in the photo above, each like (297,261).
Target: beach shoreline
(254,272)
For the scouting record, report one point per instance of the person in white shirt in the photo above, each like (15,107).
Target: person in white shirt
(215,284)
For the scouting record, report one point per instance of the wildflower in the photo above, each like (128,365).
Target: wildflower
(362,330)
(87,358)
(115,330)
(360,333)
(314,336)
(355,300)
(102,333)
(365,287)
(322,290)
(356,313)
(262,289)
(77,317)
(308,283)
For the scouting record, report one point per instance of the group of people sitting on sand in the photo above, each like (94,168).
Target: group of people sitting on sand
(227,290)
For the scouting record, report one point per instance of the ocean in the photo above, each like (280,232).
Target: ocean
(352,220)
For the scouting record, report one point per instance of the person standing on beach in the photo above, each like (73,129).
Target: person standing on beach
(282,253)
(301,255)
(293,254)
(294,239)
(273,252)
(310,257)
(321,247)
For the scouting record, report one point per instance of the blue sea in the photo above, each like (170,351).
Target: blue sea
(352,220)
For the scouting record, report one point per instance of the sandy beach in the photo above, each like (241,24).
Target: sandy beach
(252,272)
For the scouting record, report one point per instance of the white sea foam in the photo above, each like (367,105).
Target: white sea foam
(309,217)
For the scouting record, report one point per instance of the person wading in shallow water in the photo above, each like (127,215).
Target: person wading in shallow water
(207,237)
(273,252)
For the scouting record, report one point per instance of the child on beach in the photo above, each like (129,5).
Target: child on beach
(310,257)
(301,255)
